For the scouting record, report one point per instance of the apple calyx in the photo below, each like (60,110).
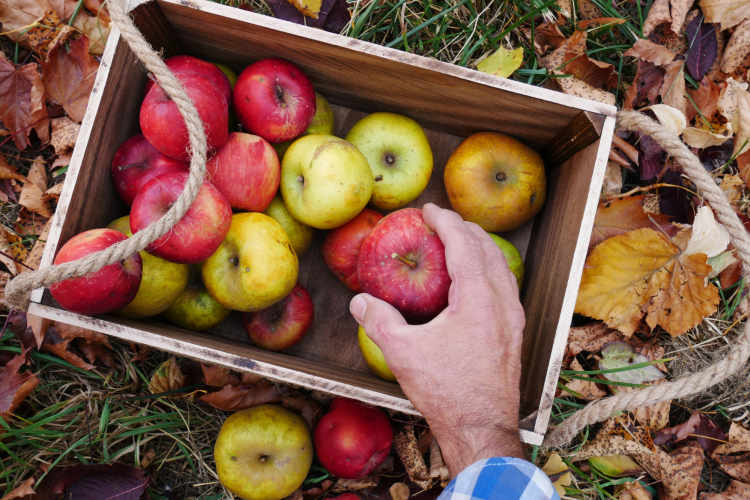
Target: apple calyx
(280,95)
(389,159)
(263,458)
(501,176)
(406,261)
(378,178)
(301,179)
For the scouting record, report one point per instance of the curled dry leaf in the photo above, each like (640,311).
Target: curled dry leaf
(546,36)
(591,338)
(588,391)
(48,33)
(621,355)
(235,398)
(734,105)
(22,105)
(97,8)
(399,491)
(647,50)
(94,351)
(141,352)
(672,90)
(704,98)
(672,119)
(555,467)
(708,236)
(738,47)
(22,490)
(14,386)
(658,14)
(645,87)
(167,377)
(738,440)
(679,9)
(356,484)
(8,171)
(621,215)
(4,278)
(405,444)
(632,491)
(34,258)
(438,469)
(64,134)
(39,327)
(699,428)
(699,138)
(612,184)
(69,77)
(737,466)
(32,194)
(630,151)
(735,491)
(503,62)
(308,409)
(727,12)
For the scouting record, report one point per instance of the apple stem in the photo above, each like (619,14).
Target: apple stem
(406,261)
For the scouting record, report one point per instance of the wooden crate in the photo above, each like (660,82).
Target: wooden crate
(573,135)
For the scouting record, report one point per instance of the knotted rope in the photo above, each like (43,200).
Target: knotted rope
(604,408)
(18,291)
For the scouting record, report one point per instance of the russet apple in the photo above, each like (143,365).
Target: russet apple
(162,281)
(352,439)
(342,244)
(515,262)
(283,324)
(198,234)
(325,181)
(254,267)
(399,155)
(212,71)
(246,170)
(322,123)
(195,309)
(300,235)
(374,356)
(274,99)
(495,181)
(263,453)
(109,288)
(402,261)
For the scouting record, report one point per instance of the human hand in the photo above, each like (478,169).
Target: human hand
(462,369)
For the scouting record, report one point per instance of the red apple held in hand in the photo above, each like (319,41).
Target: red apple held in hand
(247,172)
(198,234)
(352,439)
(283,324)
(274,99)
(342,244)
(163,125)
(190,64)
(111,287)
(136,162)
(402,261)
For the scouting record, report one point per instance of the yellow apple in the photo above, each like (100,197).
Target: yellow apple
(374,356)
(515,262)
(299,234)
(195,309)
(322,123)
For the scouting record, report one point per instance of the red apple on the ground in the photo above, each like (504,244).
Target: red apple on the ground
(163,125)
(352,439)
(198,234)
(274,99)
(341,246)
(402,261)
(136,162)
(190,64)
(283,324)
(247,172)
(110,288)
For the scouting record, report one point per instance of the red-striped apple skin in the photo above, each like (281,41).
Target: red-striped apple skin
(342,245)
(283,324)
(190,64)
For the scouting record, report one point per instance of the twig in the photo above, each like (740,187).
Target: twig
(638,189)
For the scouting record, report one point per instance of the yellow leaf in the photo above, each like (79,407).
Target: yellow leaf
(309,8)
(502,63)
(555,466)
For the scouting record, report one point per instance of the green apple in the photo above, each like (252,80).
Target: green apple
(263,453)
(195,309)
(233,123)
(325,181)
(374,356)
(254,267)
(299,234)
(322,123)
(515,262)
(161,285)
(399,155)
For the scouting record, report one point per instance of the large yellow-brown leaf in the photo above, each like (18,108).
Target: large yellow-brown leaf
(15,14)
(727,12)
(658,14)
(738,440)
(32,194)
(97,29)
(734,105)
(736,491)
(622,215)
(651,52)
(22,105)
(738,47)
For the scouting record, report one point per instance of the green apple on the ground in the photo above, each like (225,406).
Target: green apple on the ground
(254,267)
(322,123)
(399,155)
(515,262)
(195,309)
(233,123)
(325,181)
(299,234)
(263,453)
(374,356)
(161,284)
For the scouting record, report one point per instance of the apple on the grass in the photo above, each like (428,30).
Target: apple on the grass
(322,123)
(195,309)
(163,125)
(325,181)
(198,234)
(342,244)
(136,162)
(352,439)
(263,453)
(374,356)
(254,267)
(300,235)
(399,155)
(109,288)
(402,261)
(283,324)
(212,71)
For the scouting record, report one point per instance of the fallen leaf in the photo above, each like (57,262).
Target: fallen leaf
(22,490)
(34,258)
(64,134)
(588,391)
(733,186)
(679,9)
(320,488)
(239,397)
(699,138)
(727,12)
(566,10)
(94,351)
(167,377)
(630,151)
(48,33)
(555,466)
(63,348)
(546,36)
(4,278)
(354,484)
(738,440)
(591,338)
(657,14)
(63,7)
(737,48)
(8,256)
(405,444)
(503,62)
(15,15)
(29,223)
(698,428)
(8,171)
(148,458)
(730,276)
(621,355)
(141,352)
(590,71)
(309,8)
(39,327)
(333,16)
(32,194)
(96,482)
(588,10)
(708,236)
(616,465)
(721,262)
(645,87)
(54,192)
(218,376)
(621,215)
(704,98)
(438,469)
(703,47)
(17,322)
(97,29)
(655,417)
(22,106)
(599,22)
(672,119)
(737,466)
(735,491)
(14,386)
(652,157)
(308,409)
(734,105)
(674,201)
(612,184)
(647,50)
(632,491)
(672,90)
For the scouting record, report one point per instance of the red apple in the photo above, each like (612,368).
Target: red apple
(198,234)
(341,246)
(283,324)
(347,496)
(352,439)
(190,64)
(136,162)
(163,125)
(402,261)
(246,170)
(111,287)
(274,99)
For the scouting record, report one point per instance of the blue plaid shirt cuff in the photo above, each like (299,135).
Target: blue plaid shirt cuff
(500,478)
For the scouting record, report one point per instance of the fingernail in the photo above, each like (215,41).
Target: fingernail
(357,307)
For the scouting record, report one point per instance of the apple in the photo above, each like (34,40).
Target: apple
(402,261)
(495,181)
(342,244)
(246,170)
(162,281)
(198,234)
(347,496)
(254,267)
(163,125)
(300,235)
(109,288)
(515,262)
(374,356)
(352,439)
(195,309)
(189,64)
(263,453)
(274,99)
(233,123)
(399,155)
(325,181)
(229,72)
(322,123)
(283,324)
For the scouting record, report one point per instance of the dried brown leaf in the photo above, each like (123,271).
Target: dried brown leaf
(22,105)
(405,444)
(97,29)
(141,352)
(651,52)
(49,32)
(612,184)
(94,351)
(39,326)
(737,467)
(727,12)
(167,377)
(14,386)
(591,338)
(546,36)
(356,484)
(239,397)
(705,98)
(438,469)
(218,376)
(4,278)
(621,215)
(632,491)
(8,171)
(32,194)
(738,440)
(64,134)
(738,47)
(679,9)
(589,391)
(672,90)
(21,491)
(588,10)
(736,491)
(54,192)
(29,223)
(34,257)
(658,14)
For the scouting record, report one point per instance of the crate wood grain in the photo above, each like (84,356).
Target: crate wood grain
(572,134)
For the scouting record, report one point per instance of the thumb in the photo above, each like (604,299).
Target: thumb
(379,319)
